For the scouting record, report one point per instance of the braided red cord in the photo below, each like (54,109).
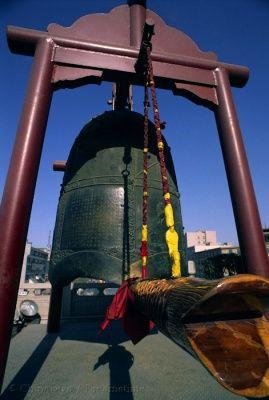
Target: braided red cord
(151,84)
(160,145)
(145,164)
(144,247)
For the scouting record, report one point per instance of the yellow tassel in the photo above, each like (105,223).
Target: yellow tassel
(171,237)
(146,149)
(145,171)
(144,232)
(169,215)
(167,196)
(176,270)
(144,261)
(145,193)
(160,145)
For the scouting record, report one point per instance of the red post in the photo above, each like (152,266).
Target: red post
(137,21)
(19,189)
(243,198)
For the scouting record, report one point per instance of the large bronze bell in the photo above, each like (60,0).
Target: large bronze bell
(98,226)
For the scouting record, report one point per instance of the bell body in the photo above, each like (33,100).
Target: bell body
(98,226)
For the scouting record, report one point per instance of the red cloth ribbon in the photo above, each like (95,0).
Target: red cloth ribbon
(135,324)
(143,249)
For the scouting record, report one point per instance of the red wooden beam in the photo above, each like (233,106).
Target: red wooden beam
(59,166)
(23,41)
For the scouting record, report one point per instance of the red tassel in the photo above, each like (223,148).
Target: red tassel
(136,325)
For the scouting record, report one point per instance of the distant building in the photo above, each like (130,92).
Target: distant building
(198,253)
(200,238)
(35,264)
(198,256)
(201,245)
(27,252)
(46,250)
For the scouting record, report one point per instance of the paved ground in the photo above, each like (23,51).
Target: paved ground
(80,364)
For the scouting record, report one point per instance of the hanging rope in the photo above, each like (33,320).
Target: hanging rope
(144,239)
(171,235)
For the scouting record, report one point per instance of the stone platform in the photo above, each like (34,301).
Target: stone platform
(78,363)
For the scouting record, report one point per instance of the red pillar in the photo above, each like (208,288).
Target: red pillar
(249,229)
(19,189)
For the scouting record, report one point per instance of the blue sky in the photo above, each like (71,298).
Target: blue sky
(237,30)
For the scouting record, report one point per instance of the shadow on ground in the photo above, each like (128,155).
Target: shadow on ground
(119,361)
(116,356)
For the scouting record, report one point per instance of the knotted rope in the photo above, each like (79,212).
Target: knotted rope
(171,235)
